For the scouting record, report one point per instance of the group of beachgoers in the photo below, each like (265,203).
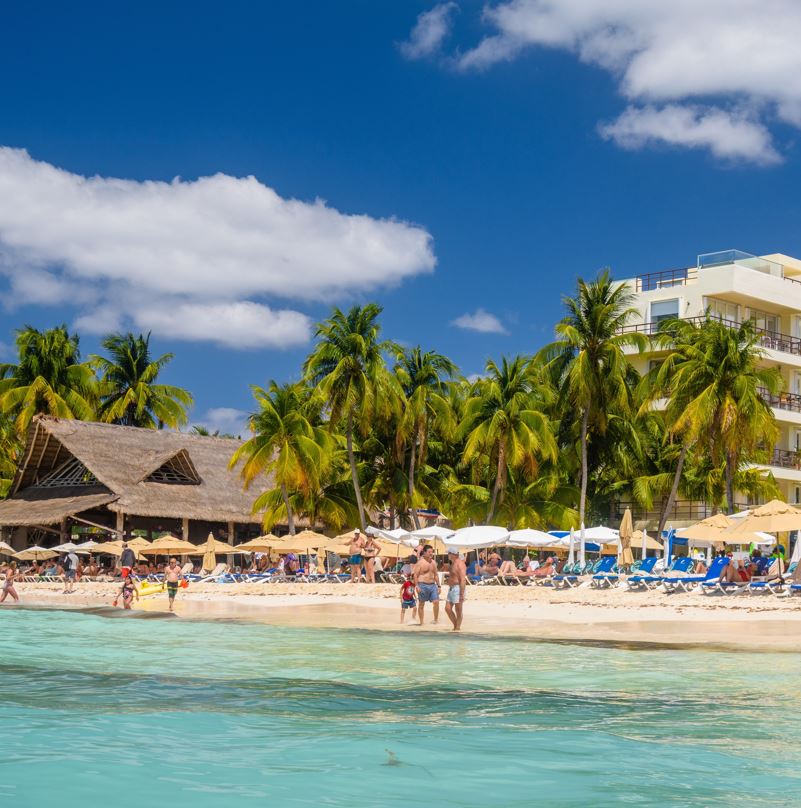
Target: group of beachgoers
(421,585)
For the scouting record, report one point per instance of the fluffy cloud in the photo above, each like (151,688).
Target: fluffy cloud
(481,321)
(729,53)
(429,32)
(727,136)
(189,259)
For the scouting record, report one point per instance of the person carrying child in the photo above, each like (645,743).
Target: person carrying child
(407,597)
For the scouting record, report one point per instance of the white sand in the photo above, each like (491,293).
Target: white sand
(583,614)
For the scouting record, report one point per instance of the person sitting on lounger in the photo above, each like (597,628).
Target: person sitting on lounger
(728,575)
(546,569)
(700,567)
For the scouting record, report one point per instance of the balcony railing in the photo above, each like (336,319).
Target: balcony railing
(682,510)
(773,340)
(664,280)
(781,401)
(786,459)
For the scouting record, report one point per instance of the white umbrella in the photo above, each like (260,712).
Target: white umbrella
(582,549)
(67,547)
(87,546)
(433,532)
(528,537)
(397,535)
(796,556)
(644,541)
(601,534)
(473,538)
(571,556)
(35,553)
(6,549)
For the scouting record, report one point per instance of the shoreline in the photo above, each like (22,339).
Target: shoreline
(611,616)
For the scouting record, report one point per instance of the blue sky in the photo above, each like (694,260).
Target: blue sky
(476,170)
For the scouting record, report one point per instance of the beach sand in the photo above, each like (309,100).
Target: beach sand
(586,615)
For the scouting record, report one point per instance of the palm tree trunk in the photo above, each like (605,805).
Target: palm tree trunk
(674,489)
(498,484)
(730,482)
(415,517)
(355,474)
(290,517)
(585,420)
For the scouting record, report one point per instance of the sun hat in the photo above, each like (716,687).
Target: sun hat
(453,551)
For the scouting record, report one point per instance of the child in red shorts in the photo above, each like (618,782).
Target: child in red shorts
(408,599)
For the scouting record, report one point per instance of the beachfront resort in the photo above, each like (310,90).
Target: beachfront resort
(599,460)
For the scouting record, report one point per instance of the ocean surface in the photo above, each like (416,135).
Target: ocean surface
(138,712)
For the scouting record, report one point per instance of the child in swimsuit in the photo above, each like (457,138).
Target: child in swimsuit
(8,584)
(408,599)
(128,591)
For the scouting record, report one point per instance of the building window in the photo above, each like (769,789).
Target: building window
(723,310)
(662,310)
(764,321)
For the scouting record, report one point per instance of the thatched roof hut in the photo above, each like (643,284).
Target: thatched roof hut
(71,467)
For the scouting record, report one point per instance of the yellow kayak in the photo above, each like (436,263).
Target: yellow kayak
(150,588)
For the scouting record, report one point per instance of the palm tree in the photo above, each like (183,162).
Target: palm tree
(589,359)
(285,444)
(10,447)
(128,388)
(348,369)
(422,376)
(49,378)
(504,426)
(712,381)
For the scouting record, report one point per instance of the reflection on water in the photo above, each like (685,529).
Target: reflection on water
(223,713)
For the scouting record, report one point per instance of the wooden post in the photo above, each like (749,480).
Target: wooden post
(120,528)
(185,529)
(229,559)
(63,537)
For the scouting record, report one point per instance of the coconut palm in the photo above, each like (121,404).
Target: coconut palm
(285,444)
(48,378)
(712,379)
(589,360)
(504,427)
(10,447)
(347,367)
(129,393)
(422,376)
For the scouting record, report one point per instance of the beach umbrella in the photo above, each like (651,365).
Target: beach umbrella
(773,517)
(86,547)
(170,545)
(528,537)
(433,532)
(67,547)
(302,542)
(646,541)
(211,548)
(710,529)
(138,542)
(35,553)
(6,549)
(478,536)
(261,544)
(396,535)
(571,555)
(644,546)
(626,531)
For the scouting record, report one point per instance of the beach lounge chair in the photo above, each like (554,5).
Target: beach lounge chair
(681,565)
(771,585)
(687,582)
(603,565)
(604,579)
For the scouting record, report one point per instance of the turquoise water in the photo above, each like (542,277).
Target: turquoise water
(192,713)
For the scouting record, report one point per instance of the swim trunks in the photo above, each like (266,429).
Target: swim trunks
(429,593)
(126,571)
(453,593)
(70,574)
(355,559)
(408,604)
(172,588)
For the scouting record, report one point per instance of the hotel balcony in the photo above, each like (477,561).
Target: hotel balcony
(771,340)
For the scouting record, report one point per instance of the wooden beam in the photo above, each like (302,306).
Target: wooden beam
(63,530)
(41,457)
(185,529)
(120,529)
(93,524)
(46,529)
(24,466)
(229,559)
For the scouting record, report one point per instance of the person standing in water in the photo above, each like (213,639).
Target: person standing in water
(8,584)
(172,577)
(457,582)
(427,583)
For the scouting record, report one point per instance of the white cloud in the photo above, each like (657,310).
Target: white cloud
(727,136)
(482,321)
(227,420)
(429,32)
(149,252)
(725,54)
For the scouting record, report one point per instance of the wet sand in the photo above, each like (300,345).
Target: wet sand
(579,615)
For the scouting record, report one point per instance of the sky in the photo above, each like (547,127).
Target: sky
(221,175)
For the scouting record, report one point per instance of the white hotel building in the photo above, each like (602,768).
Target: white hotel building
(734,286)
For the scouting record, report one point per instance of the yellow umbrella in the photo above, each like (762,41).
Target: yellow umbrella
(138,542)
(114,548)
(389,549)
(211,549)
(170,545)
(625,534)
(710,529)
(440,547)
(35,553)
(303,542)
(262,544)
(650,542)
(6,549)
(773,517)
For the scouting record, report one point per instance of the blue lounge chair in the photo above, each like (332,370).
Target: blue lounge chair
(603,579)
(604,564)
(688,582)
(771,585)
(648,580)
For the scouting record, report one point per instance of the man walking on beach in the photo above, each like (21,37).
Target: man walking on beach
(127,560)
(172,577)
(427,583)
(70,567)
(457,581)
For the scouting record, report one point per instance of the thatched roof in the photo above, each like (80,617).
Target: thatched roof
(119,464)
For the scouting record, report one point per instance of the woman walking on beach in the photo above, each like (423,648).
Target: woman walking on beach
(127,592)
(356,548)
(8,584)
(370,552)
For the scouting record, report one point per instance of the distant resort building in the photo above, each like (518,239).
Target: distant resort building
(734,286)
(75,475)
